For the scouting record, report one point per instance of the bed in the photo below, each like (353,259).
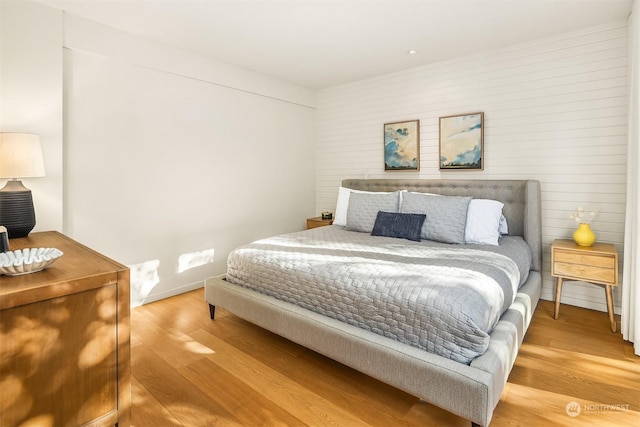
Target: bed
(466,382)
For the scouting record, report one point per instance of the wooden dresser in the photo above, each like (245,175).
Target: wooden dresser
(64,339)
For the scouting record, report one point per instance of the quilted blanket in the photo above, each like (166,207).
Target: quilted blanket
(441,298)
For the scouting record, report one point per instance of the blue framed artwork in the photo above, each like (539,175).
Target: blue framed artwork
(402,146)
(461,141)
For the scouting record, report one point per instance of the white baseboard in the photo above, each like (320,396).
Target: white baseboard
(173,292)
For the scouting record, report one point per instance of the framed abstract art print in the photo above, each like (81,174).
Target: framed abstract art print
(402,146)
(461,141)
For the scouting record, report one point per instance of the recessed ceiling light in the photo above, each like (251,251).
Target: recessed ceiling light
(412,52)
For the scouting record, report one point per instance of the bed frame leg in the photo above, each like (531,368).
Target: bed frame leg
(212,311)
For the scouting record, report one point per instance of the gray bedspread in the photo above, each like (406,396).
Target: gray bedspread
(441,298)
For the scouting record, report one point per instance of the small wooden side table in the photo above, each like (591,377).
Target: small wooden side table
(597,264)
(318,222)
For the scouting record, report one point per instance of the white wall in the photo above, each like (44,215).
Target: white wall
(170,159)
(555,110)
(166,165)
(31,95)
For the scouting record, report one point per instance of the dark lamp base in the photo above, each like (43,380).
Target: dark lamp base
(16,209)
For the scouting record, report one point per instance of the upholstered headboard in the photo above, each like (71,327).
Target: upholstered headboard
(521,199)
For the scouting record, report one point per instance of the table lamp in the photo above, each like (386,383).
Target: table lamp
(20,157)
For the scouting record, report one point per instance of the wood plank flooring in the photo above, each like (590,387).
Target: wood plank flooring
(190,371)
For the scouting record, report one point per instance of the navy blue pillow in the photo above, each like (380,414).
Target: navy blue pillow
(400,225)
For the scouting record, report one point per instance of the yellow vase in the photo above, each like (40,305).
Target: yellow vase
(583,236)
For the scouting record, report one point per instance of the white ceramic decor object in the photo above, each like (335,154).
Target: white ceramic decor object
(27,260)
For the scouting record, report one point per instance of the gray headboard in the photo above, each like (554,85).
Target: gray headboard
(521,200)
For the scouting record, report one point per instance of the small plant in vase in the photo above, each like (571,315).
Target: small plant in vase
(583,235)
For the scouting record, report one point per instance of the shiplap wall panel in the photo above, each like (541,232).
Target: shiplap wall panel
(555,110)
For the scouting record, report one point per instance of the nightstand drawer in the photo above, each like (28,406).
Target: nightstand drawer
(584,272)
(584,259)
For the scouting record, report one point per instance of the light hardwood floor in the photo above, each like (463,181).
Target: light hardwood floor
(190,371)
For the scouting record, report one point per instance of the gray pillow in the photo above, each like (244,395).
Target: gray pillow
(446,215)
(364,207)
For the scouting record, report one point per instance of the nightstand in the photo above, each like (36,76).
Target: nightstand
(597,264)
(318,222)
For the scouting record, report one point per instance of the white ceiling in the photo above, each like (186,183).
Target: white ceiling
(323,43)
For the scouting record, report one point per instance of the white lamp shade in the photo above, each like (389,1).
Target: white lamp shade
(20,155)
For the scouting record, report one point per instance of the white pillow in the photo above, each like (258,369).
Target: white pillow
(342,205)
(504,227)
(483,222)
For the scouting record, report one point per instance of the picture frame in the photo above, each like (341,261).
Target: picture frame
(462,142)
(402,146)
